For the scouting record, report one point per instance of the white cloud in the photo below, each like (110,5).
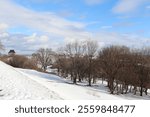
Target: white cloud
(15,15)
(4,35)
(3,27)
(32,38)
(114,38)
(93,2)
(127,6)
(27,44)
(44,38)
(50,26)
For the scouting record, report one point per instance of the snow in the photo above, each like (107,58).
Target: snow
(15,85)
(18,83)
(64,88)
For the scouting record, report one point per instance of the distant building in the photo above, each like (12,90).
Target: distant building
(11,52)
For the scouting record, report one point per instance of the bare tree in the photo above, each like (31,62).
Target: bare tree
(91,49)
(44,57)
(126,75)
(74,51)
(142,69)
(110,59)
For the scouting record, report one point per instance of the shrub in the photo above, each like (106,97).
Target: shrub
(21,61)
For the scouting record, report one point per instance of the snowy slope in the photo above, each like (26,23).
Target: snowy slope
(15,85)
(71,91)
(64,89)
(29,84)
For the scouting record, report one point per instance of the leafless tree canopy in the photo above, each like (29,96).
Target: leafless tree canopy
(125,70)
(44,57)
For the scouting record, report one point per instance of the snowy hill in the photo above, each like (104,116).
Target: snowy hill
(15,85)
(29,84)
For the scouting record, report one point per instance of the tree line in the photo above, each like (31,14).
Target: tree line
(125,70)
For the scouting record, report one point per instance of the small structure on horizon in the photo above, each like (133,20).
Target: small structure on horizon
(11,52)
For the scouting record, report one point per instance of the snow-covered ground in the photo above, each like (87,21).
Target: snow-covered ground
(30,84)
(15,85)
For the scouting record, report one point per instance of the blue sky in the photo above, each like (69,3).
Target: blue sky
(27,25)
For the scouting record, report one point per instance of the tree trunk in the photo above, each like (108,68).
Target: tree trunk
(89,81)
(126,89)
(130,89)
(74,80)
(111,86)
(141,91)
(135,89)
(94,80)
(145,91)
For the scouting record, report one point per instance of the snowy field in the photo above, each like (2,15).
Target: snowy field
(29,84)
